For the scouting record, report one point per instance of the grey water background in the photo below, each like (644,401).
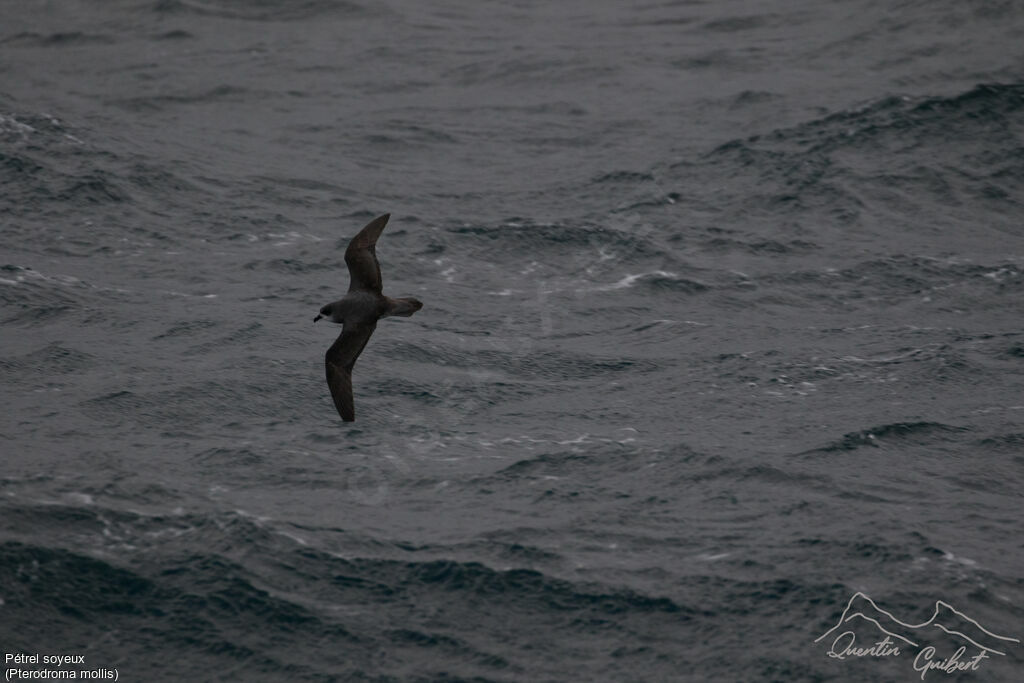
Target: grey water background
(722,324)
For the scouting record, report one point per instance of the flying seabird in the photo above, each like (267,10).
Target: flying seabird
(358,311)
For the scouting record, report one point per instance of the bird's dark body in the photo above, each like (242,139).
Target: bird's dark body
(358,307)
(358,311)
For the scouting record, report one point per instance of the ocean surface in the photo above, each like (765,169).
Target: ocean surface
(722,328)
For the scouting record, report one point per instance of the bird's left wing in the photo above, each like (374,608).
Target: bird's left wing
(339,361)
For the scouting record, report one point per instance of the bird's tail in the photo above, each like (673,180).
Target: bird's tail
(403,307)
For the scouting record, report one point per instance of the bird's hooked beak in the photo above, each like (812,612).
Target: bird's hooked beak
(317,317)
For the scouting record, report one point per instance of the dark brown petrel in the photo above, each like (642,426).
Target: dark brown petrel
(358,311)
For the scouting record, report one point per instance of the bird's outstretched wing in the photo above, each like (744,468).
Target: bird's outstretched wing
(361,257)
(339,360)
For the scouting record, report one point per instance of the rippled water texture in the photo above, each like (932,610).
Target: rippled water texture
(722,326)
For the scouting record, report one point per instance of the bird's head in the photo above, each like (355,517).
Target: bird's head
(325,312)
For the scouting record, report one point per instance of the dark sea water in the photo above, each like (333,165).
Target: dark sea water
(722,326)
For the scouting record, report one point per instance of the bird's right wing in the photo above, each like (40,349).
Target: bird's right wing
(361,256)
(339,361)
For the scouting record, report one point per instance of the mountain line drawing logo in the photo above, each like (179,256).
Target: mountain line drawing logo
(898,637)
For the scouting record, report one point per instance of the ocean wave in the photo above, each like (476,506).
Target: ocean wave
(900,434)
(220,93)
(52,360)
(259,10)
(532,237)
(69,38)
(896,151)
(29,297)
(901,124)
(1012,443)
(889,281)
